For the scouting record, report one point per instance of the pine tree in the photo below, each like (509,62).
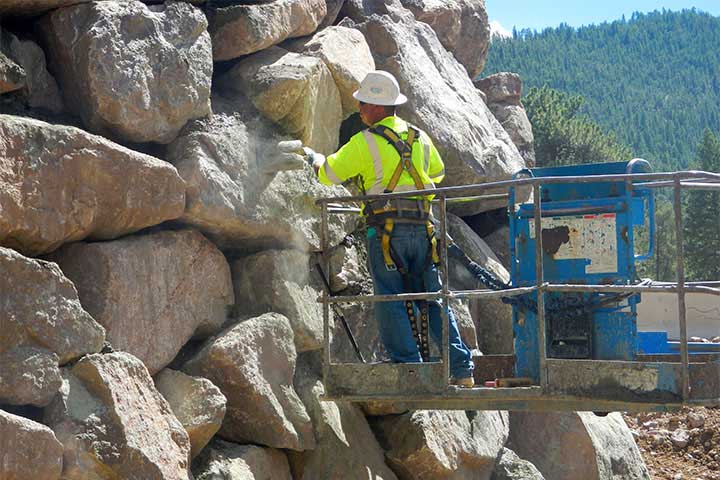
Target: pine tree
(563,136)
(702,218)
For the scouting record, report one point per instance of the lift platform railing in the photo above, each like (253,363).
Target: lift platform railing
(679,181)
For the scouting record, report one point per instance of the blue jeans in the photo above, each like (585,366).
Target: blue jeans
(411,245)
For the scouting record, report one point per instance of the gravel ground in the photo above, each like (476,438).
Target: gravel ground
(680,445)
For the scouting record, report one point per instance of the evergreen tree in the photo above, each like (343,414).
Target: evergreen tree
(651,79)
(702,218)
(563,136)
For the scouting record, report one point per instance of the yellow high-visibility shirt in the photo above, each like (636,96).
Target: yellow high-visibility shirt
(374,159)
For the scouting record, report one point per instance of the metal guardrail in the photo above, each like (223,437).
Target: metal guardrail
(679,181)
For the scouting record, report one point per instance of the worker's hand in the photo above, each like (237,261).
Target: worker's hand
(315,159)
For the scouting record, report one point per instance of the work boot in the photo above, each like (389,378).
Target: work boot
(465,382)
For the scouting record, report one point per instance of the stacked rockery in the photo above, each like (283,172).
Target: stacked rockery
(159,319)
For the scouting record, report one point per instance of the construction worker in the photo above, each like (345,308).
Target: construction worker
(392,156)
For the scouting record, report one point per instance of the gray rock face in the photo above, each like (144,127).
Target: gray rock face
(493,318)
(333,9)
(191,290)
(114,424)
(162,66)
(239,30)
(40,89)
(346,447)
(33,7)
(242,462)
(462,27)
(499,243)
(503,92)
(503,87)
(511,467)
(197,403)
(235,194)
(279,281)
(429,444)
(28,450)
(297,92)
(443,102)
(61,184)
(345,53)
(43,325)
(253,364)
(29,376)
(12,75)
(602,447)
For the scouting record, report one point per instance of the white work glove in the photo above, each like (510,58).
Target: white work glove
(289,156)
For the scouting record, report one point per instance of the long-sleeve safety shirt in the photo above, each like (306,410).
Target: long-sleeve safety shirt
(374,160)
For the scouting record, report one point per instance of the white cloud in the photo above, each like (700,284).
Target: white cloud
(497,30)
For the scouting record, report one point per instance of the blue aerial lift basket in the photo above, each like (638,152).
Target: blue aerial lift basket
(574,291)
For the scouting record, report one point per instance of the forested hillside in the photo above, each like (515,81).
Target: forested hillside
(653,80)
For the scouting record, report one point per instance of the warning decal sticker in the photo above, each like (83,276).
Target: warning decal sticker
(589,236)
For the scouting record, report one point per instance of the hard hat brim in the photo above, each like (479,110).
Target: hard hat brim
(399,100)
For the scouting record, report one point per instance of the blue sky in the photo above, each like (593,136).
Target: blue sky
(538,14)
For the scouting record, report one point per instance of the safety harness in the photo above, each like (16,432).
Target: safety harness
(384,214)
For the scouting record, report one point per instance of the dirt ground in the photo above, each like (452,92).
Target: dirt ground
(681,445)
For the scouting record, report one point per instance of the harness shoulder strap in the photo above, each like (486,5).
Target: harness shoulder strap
(404,150)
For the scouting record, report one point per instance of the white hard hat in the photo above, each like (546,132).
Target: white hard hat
(380,88)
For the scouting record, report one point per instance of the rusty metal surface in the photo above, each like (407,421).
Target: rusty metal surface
(704,381)
(680,267)
(615,380)
(634,381)
(490,367)
(408,380)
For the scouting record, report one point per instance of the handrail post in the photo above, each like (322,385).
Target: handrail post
(539,280)
(444,314)
(679,239)
(325,293)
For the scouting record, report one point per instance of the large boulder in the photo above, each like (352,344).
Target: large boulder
(345,53)
(443,102)
(197,403)
(462,27)
(279,281)
(295,91)
(249,27)
(429,444)
(61,184)
(225,460)
(602,447)
(511,467)
(235,194)
(28,449)
(152,292)
(33,7)
(492,317)
(253,364)
(114,424)
(162,66)
(42,325)
(40,90)
(346,447)
(503,91)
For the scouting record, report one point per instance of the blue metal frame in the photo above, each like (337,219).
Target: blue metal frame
(590,241)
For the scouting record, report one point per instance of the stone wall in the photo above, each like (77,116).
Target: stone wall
(158,313)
